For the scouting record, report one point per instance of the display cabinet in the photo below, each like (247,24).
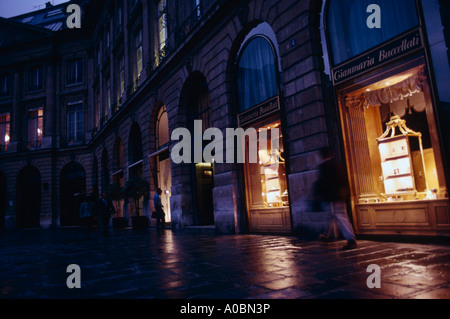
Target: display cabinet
(396,160)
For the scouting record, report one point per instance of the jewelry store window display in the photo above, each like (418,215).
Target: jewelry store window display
(393,150)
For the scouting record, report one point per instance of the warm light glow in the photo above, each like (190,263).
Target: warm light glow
(39,131)
(6,138)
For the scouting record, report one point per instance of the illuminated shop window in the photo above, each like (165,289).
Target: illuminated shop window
(164,174)
(390,126)
(266,179)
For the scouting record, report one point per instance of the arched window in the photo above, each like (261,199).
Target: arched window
(162,131)
(257,77)
(266,188)
(163,170)
(347,28)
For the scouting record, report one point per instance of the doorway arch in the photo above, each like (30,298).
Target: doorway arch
(195,102)
(28,198)
(72,192)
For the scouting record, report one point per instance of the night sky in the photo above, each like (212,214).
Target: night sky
(9,8)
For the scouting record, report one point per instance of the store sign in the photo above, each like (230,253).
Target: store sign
(260,111)
(394,49)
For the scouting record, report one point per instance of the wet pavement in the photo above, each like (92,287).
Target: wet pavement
(151,264)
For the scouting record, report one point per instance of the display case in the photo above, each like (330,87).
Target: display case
(396,165)
(396,160)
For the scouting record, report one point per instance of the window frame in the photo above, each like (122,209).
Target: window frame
(39,77)
(5,130)
(5,80)
(75,107)
(276,70)
(35,141)
(78,69)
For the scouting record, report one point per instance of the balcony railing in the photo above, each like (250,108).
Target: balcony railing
(132,87)
(158,59)
(189,25)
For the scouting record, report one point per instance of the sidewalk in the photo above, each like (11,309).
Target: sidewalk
(170,265)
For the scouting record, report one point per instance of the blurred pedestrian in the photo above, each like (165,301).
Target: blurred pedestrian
(87,214)
(159,208)
(332,188)
(106,209)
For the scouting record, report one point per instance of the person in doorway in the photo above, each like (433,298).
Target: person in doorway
(106,209)
(159,208)
(87,214)
(332,188)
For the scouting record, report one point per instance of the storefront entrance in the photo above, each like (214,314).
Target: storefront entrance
(73,192)
(393,151)
(266,184)
(259,111)
(28,198)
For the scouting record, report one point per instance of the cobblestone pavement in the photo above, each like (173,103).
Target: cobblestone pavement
(133,264)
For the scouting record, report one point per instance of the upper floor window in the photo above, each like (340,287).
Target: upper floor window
(4,131)
(196,8)
(75,71)
(162,24)
(99,53)
(75,122)
(36,78)
(257,76)
(138,44)
(5,85)
(133,3)
(107,39)
(122,74)
(349,37)
(108,96)
(120,17)
(35,126)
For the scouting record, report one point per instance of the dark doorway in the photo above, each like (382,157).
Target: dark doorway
(72,191)
(204,184)
(3,201)
(202,173)
(28,198)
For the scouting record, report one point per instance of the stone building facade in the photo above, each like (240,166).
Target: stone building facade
(115,90)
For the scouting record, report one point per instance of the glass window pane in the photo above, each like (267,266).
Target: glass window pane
(257,80)
(350,37)
(163,129)
(266,179)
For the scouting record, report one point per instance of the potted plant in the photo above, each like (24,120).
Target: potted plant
(115,192)
(135,188)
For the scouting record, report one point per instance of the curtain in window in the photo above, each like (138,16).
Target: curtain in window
(257,81)
(75,123)
(348,33)
(75,71)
